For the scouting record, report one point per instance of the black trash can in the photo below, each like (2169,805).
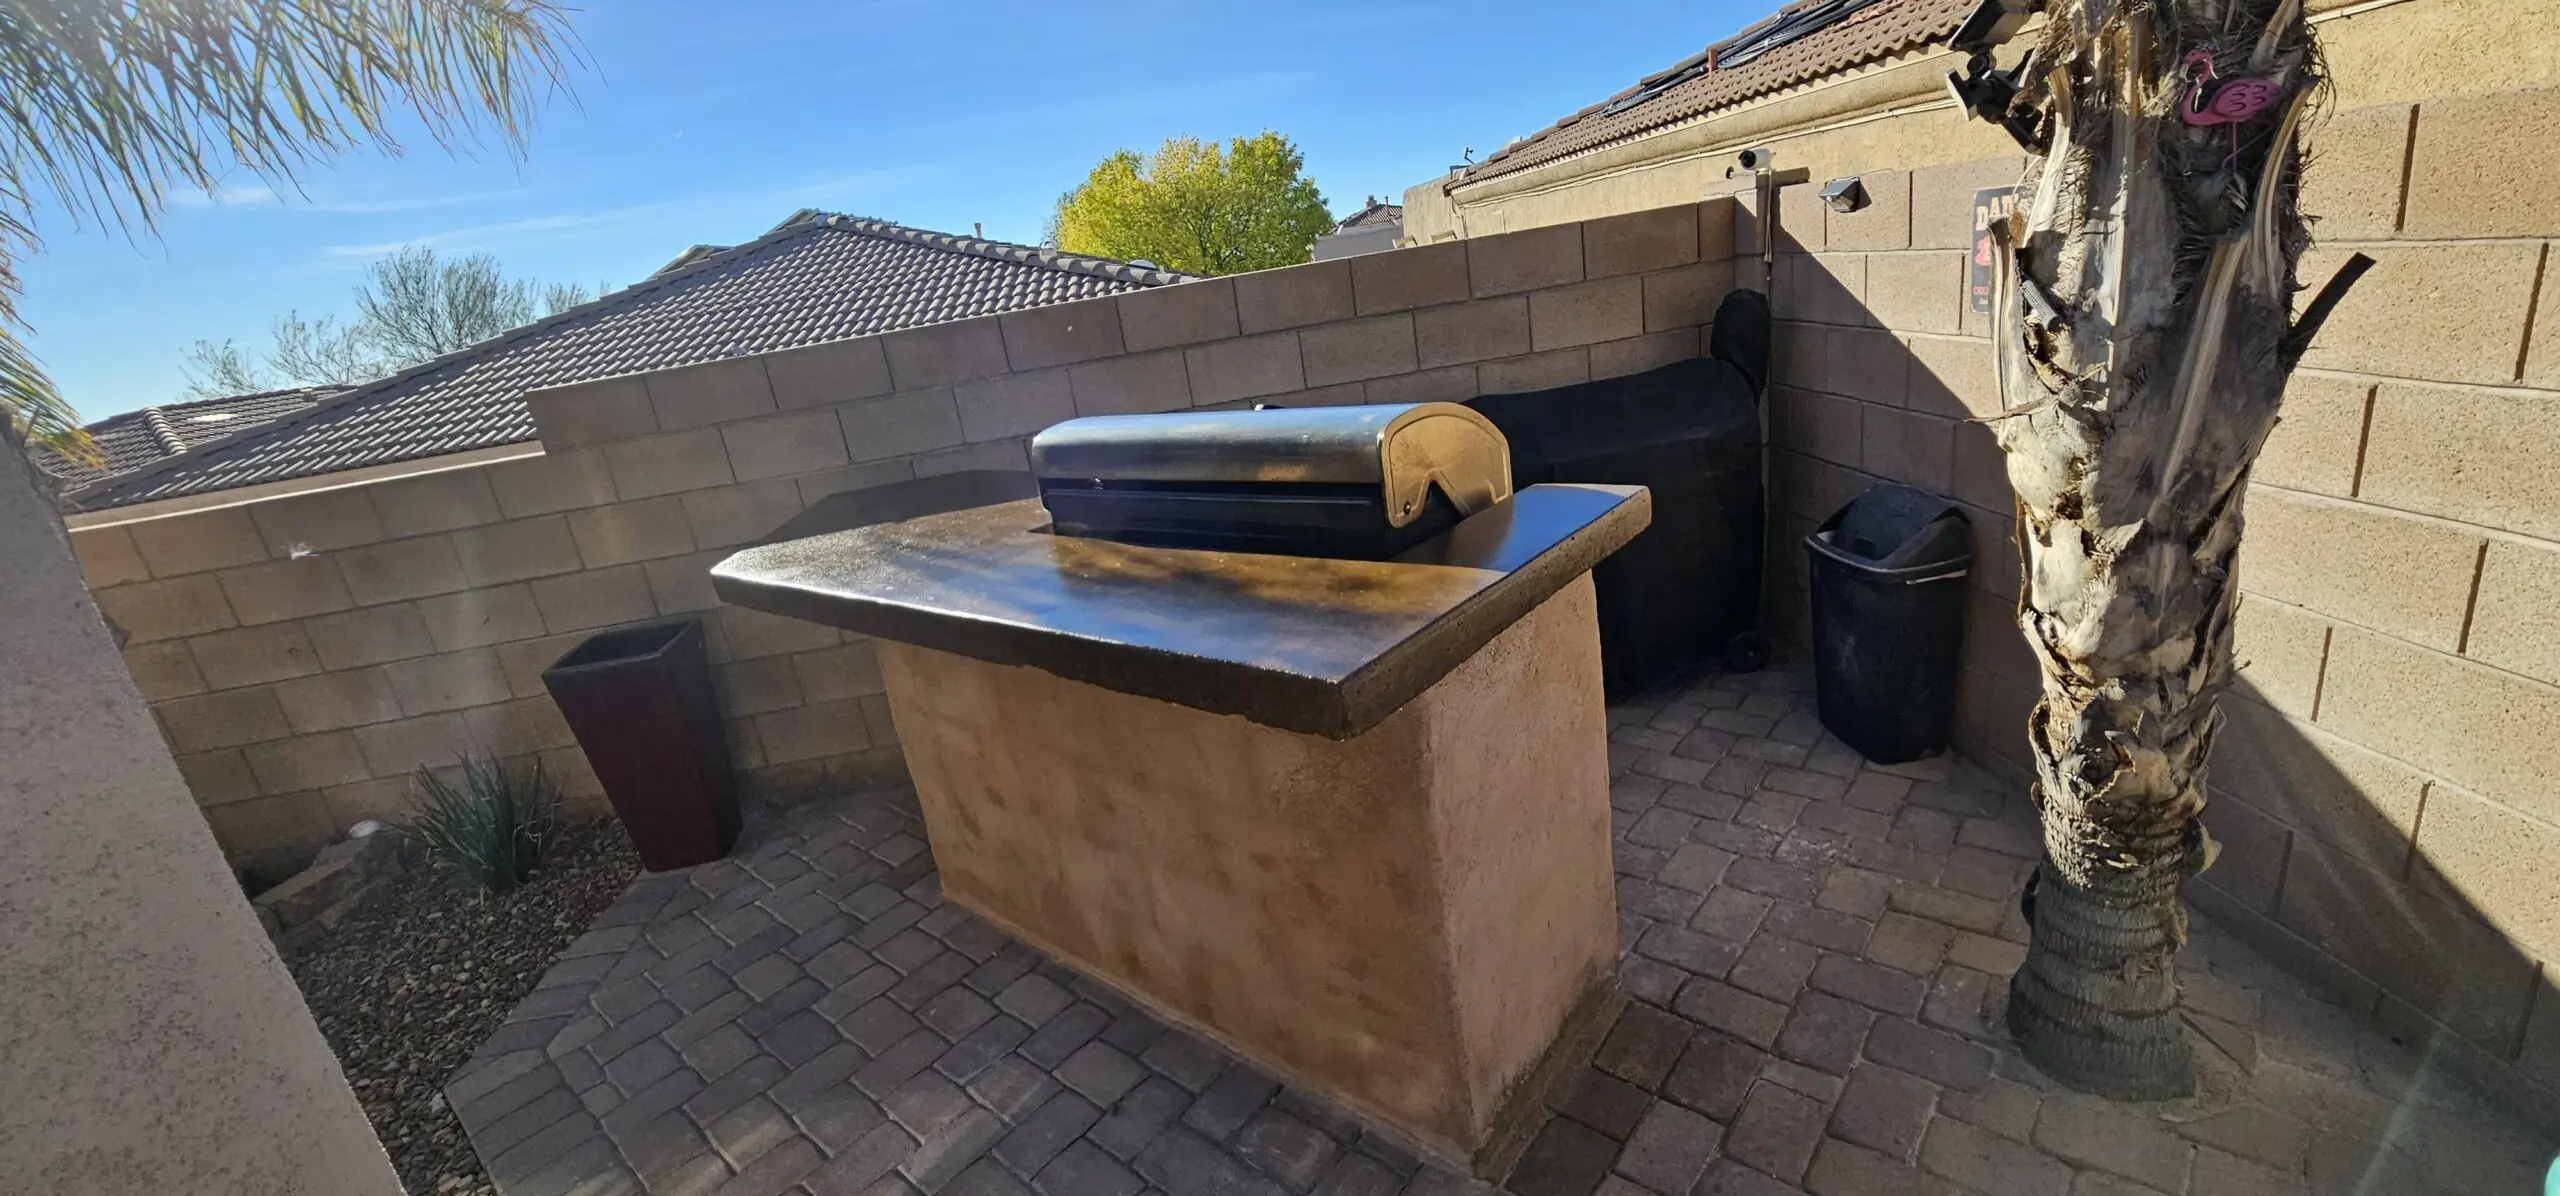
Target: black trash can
(1888,618)
(639,700)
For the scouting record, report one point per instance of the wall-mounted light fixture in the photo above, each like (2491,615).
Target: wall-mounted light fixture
(1844,195)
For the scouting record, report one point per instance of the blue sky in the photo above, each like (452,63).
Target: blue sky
(698,123)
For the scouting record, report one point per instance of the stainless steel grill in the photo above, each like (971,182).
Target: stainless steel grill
(1361,483)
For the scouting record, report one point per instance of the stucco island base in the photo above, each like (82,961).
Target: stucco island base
(1418,920)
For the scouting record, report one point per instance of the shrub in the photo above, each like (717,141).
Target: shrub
(489,832)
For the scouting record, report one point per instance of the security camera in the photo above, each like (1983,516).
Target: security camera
(1758,157)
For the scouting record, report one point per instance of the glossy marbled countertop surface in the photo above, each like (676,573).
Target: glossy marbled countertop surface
(1323,647)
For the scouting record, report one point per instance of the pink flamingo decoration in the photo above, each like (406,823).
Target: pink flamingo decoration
(2235,101)
(2232,103)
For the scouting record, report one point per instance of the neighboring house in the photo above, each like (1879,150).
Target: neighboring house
(1379,225)
(135,439)
(1818,74)
(2383,775)
(816,277)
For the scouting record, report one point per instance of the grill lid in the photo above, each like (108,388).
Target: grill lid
(1402,452)
(1362,483)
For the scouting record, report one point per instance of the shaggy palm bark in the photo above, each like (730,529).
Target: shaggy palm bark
(2146,346)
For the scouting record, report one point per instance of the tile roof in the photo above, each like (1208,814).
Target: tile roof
(137,438)
(1803,41)
(1375,214)
(817,277)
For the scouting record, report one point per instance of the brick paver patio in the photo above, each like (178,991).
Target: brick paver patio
(1817,949)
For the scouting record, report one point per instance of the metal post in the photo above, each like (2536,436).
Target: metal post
(1765,181)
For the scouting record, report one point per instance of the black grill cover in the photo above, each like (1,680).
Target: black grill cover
(1689,431)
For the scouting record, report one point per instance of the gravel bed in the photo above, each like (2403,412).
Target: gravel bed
(405,990)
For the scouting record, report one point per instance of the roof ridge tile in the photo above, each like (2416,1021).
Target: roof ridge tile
(158,421)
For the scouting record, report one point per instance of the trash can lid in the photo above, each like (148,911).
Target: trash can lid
(1893,526)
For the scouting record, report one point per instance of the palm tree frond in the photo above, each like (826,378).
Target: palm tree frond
(28,399)
(34,411)
(106,106)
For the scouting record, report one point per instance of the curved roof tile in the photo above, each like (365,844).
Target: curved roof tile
(137,438)
(1879,29)
(821,278)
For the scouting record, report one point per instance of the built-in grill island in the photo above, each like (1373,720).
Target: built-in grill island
(1287,724)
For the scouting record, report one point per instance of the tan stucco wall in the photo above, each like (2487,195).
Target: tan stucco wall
(1403,919)
(1517,743)
(150,1039)
(306,651)
(1372,239)
(2388,786)
(1893,115)
(1896,115)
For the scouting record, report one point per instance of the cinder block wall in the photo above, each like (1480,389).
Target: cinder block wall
(2388,785)
(2392,777)
(306,654)
(1883,373)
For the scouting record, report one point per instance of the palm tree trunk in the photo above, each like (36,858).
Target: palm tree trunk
(2143,351)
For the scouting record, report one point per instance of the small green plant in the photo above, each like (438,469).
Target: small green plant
(490,831)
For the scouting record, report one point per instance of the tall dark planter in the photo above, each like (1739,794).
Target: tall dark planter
(639,700)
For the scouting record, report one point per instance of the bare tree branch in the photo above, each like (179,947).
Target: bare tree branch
(414,306)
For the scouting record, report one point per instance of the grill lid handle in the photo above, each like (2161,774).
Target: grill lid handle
(1444,445)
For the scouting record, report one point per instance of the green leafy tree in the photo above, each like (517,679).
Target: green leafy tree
(1197,207)
(113,104)
(414,306)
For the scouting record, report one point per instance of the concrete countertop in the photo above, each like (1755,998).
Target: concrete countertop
(1322,647)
